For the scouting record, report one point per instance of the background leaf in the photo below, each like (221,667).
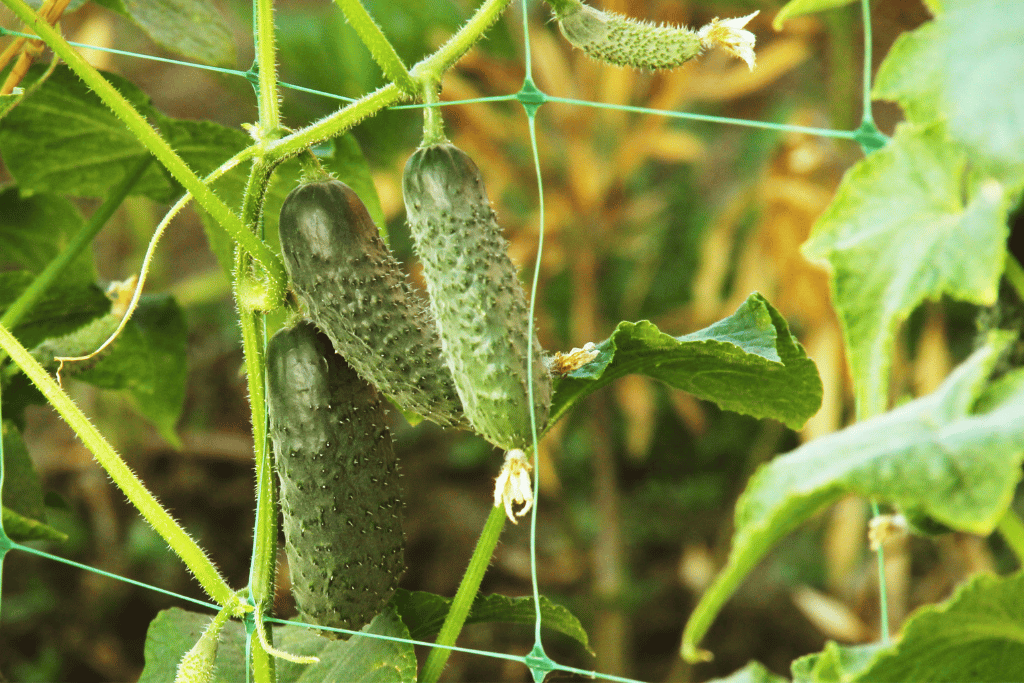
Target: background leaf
(35,229)
(424,613)
(148,360)
(748,363)
(64,307)
(63,139)
(975,636)
(174,631)
(951,233)
(192,28)
(835,663)
(930,454)
(964,67)
(24,514)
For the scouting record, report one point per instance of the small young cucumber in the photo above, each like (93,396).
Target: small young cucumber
(479,305)
(340,494)
(355,291)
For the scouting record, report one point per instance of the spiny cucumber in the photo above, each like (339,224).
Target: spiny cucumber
(355,291)
(623,41)
(340,494)
(475,295)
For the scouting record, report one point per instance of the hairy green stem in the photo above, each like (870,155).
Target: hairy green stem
(1012,530)
(334,124)
(464,597)
(175,537)
(433,122)
(459,44)
(14,313)
(263,563)
(379,46)
(266,62)
(156,144)
(430,69)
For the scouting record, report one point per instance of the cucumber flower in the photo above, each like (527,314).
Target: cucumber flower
(730,34)
(513,484)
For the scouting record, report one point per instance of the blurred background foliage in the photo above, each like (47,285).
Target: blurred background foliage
(647,217)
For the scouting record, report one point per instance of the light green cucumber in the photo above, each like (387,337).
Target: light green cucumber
(355,292)
(475,295)
(341,501)
(615,39)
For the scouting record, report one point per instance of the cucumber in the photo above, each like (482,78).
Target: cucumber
(615,39)
(475,295)
(340,494)
(355,292)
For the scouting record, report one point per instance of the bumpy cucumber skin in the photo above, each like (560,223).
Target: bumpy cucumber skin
(340,492)
(475,295)
(355,291)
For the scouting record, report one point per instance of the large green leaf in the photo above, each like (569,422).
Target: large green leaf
(148,360)
(835,664)
(932,455)
(965,67)
(908,223)
(34,230)
(749,363)
(355,659)
(173,632)
(192,28)
(64,307)
(424,613)
(977,636)
(63,139)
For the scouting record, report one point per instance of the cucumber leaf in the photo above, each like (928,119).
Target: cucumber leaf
(974,636)
(63,139)
(835,663)
(424,613)
(148,360)
(951,69)
(932,454)
(35,229)
(22,490)
(749,363)
(63,308)
(174,631)
(951,230)
(191,28)
(24,513)
(18,527)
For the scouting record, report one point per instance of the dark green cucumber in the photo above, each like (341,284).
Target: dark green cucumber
(340,493)
(475,295)
(355,291)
